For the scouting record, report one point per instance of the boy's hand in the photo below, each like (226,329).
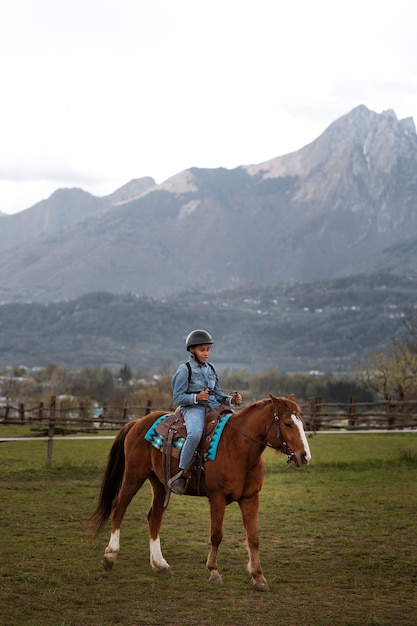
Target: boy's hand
(202,395)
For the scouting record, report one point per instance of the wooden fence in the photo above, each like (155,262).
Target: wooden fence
(353,415)
(58,419)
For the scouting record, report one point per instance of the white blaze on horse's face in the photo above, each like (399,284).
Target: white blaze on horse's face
(305,457)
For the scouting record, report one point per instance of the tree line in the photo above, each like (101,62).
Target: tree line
(390,375)
(138,387)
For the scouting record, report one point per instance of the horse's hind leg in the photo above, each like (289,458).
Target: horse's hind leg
(127,491)
(249,508)
(155,515)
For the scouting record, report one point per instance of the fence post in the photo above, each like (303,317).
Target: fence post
(352,411)
(22,412)
(148,407)
(391,412)
(82,413)
(51,429)
(315,412)
(103,415)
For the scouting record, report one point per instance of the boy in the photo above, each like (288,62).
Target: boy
(196,388)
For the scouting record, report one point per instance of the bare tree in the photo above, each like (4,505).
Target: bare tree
(391,375)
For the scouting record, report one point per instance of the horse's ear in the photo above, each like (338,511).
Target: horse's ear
(291,397)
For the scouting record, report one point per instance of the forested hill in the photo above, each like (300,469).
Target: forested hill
(327,326)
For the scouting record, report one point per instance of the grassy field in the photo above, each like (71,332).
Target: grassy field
(338,542)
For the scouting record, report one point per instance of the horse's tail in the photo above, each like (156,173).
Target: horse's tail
(112,481)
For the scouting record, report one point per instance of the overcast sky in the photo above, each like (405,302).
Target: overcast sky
(97,92)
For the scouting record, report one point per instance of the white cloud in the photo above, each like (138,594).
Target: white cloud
(95,93)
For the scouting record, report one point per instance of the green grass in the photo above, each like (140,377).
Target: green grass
(337,542)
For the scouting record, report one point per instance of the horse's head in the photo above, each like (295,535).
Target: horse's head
(290,430)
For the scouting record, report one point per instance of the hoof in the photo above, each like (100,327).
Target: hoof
(167,571)
(161,566)
(108,561)
(262,586)
(215,578)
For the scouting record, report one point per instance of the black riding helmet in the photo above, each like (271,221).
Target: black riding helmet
(198,337)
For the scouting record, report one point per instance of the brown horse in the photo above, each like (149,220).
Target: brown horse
(235,475)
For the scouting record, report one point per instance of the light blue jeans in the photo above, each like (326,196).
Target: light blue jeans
(194,418)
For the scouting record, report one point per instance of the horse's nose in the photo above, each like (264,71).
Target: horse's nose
(305,459)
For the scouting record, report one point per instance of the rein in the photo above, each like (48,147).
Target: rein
(284,448)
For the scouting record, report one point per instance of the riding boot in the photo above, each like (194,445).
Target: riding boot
(178,483)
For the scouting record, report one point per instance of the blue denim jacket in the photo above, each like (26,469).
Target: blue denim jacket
(202,377)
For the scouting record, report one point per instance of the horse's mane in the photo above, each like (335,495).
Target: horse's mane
(260,404)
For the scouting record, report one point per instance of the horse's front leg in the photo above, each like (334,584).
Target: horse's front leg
(249,508)
(217,510)
(155,515)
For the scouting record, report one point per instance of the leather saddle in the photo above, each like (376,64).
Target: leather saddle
(173,428)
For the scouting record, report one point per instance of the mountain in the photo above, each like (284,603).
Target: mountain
(64,209)
(339,206)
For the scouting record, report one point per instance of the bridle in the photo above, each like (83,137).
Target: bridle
(284,447)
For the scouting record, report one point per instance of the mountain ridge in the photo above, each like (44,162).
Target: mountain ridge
(342,204)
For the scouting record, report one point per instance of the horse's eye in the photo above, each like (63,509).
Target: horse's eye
(288,424)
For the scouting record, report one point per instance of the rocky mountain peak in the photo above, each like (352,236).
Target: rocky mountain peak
(131,190)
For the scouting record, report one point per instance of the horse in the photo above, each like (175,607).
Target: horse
(235,475)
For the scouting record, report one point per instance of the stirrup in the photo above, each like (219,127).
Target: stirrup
(178,483)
